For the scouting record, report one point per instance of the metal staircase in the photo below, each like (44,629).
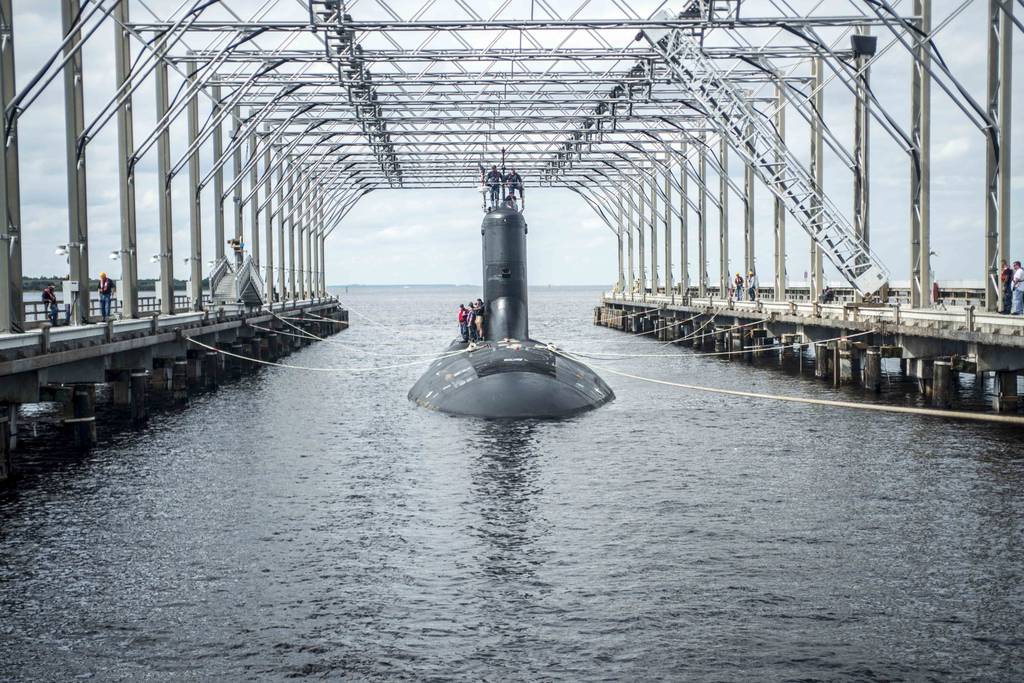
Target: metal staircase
(759,143)
(239,284)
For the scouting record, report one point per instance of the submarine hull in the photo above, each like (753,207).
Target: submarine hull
(510,375)
(507,380)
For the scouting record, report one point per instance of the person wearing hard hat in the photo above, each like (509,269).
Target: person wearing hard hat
(751,286)
(737,284)
(106,289)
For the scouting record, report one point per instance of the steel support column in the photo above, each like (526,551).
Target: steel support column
(300,263)
(817,168)
(702,217)
(723,216)
(165,288)
(748,215)
(236,170)
(281,291)
(1005,128)
(684,266)
(268,219)
(920,174)
(619,283)
(74,122)
(218,177)
(254,205)
(195,207)
(323,264)
(654,228)
(640,256)
(684,207)
(630,260)
(291,230)
(862,149)
(667,220)
(780,208)
(12,317)
(129,284)
(310,229)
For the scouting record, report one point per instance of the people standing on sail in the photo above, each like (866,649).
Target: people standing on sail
(478,319)
(106,289)
(514,185)
(464,322)
(494,180)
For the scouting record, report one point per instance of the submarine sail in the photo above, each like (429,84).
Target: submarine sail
(508,375)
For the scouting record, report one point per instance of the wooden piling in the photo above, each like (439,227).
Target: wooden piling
(1005,396)
(942,383)
(7,411)
(873,369)
(80,416)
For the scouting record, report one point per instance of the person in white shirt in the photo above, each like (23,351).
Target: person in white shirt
(1018,289)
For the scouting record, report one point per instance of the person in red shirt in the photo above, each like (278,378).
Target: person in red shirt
(464,322)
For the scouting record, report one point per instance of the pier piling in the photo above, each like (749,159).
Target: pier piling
(873,369)
(80,415)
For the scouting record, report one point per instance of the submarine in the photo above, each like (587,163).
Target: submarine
(509,375)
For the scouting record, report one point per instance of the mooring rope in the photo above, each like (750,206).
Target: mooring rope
(749,349)
(309,335)
(313,369)
(876,407)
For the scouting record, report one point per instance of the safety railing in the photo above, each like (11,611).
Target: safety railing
(37,312)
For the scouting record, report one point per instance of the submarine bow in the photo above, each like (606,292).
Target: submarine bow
(509,375)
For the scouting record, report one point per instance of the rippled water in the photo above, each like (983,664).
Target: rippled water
(301,524)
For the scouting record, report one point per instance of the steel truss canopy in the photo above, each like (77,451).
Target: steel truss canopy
(624,103)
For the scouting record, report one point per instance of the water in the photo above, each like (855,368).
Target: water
(307,524)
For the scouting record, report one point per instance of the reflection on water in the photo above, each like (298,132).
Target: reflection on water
(504,482)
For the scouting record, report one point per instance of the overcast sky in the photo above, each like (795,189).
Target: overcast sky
(418,237)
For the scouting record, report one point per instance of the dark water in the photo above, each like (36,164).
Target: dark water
(312,524)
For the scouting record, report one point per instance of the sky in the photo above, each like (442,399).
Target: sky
(420,237)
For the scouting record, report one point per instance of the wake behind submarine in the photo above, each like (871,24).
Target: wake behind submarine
(509,375)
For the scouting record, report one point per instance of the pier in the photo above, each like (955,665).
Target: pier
(845,342)
(159,358)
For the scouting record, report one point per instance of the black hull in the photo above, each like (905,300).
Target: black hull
(510,380)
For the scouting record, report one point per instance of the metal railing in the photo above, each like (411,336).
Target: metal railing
(36,311)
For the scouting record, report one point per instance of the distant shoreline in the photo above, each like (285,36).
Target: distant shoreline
(440,286)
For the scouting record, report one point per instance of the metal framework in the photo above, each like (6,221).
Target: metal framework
(305,107)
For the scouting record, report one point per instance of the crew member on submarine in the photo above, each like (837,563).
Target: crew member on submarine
(506,374)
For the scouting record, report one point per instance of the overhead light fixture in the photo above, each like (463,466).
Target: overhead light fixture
(115,256)
(155,258)
(62,250)
(863,45)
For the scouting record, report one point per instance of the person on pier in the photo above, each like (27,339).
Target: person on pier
(751,286)
(1018,289)
(738,284)
(50,302)
(106,290)
(1006,282)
